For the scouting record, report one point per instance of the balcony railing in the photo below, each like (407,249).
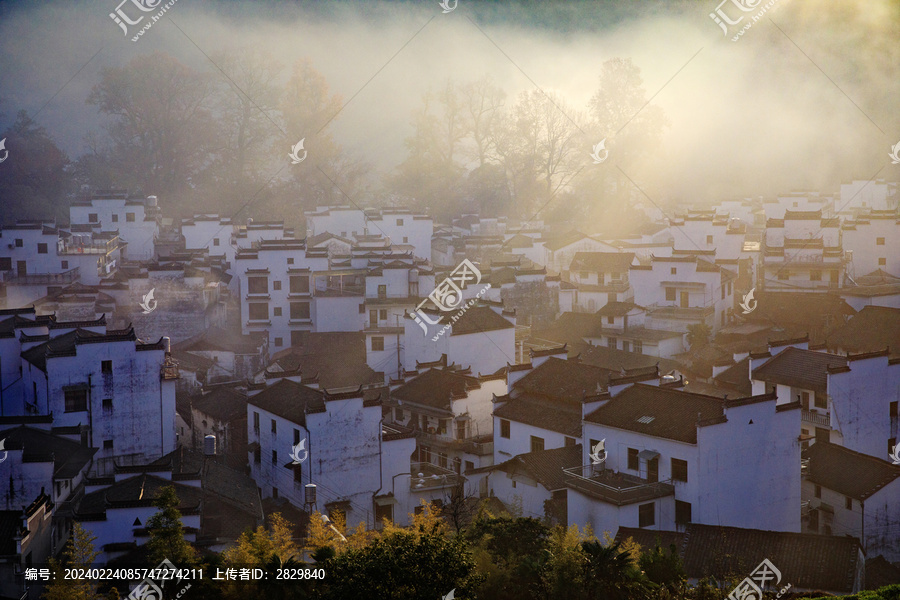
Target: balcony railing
(89,247)
(428,476)
(66,277)
(681,312)
(616,488)
(815,418)
(482,445)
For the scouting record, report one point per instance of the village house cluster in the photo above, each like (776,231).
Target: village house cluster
(727,373)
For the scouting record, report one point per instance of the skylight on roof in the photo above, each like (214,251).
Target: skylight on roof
(646,420)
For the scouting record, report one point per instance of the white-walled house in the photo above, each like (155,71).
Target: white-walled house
(848,400)
(871,243)
(862,195)
(600,278)
(450,411)
(347,454)
(107,386)
(682,291)
(801,252)
(210,232)
(405,228)
(136,221)
(849,493)
(675,457)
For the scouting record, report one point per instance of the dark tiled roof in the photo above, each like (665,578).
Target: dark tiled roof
(873,328)
(674,412)
(847,472)
(807,561)
(562,416)
(737,377)
(616,360)
(338,358)
(218,339)
(558,378)
(222,403)
(606,262)
(435,388)
(571,328)
(616,309)
(799,368)
(140,490)
(564,240)
(478,319)
(545,466)
(68,457)
(289,400)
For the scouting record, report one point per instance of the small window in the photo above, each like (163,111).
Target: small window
(848,502)
(276,285)
(612,342)
(382,291)
(42,248)
(258,311)
(296,436)
(382,314)
(276,311)
(709,239)
(405,239)
(682,512)
(377,343)
(626,346)
(299,284)
(106,367)
(634,463)
(639,346)
(279,342)
(298,473)
(115,218)
(129,217)
(818,491)
(107,404)
(274,426)
(679,469)
(815,275)
(610,320)
(399,221)
(647,515)
(783,275)
(64,265)
(19,243)
(107,444)
(879,241)
(537,443)
(290,261)
(257,285)
(274,492)
(256,420)
(373,317)
(257,458)
(674,271)
(821,401)
(670,294)
(398,414)
(299,310)
(882,262)
(215,241)
(75,400)
(92,218)
(504,428)
(469,466)
(274,457)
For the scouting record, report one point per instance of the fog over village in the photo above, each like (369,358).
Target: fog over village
(449,299)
